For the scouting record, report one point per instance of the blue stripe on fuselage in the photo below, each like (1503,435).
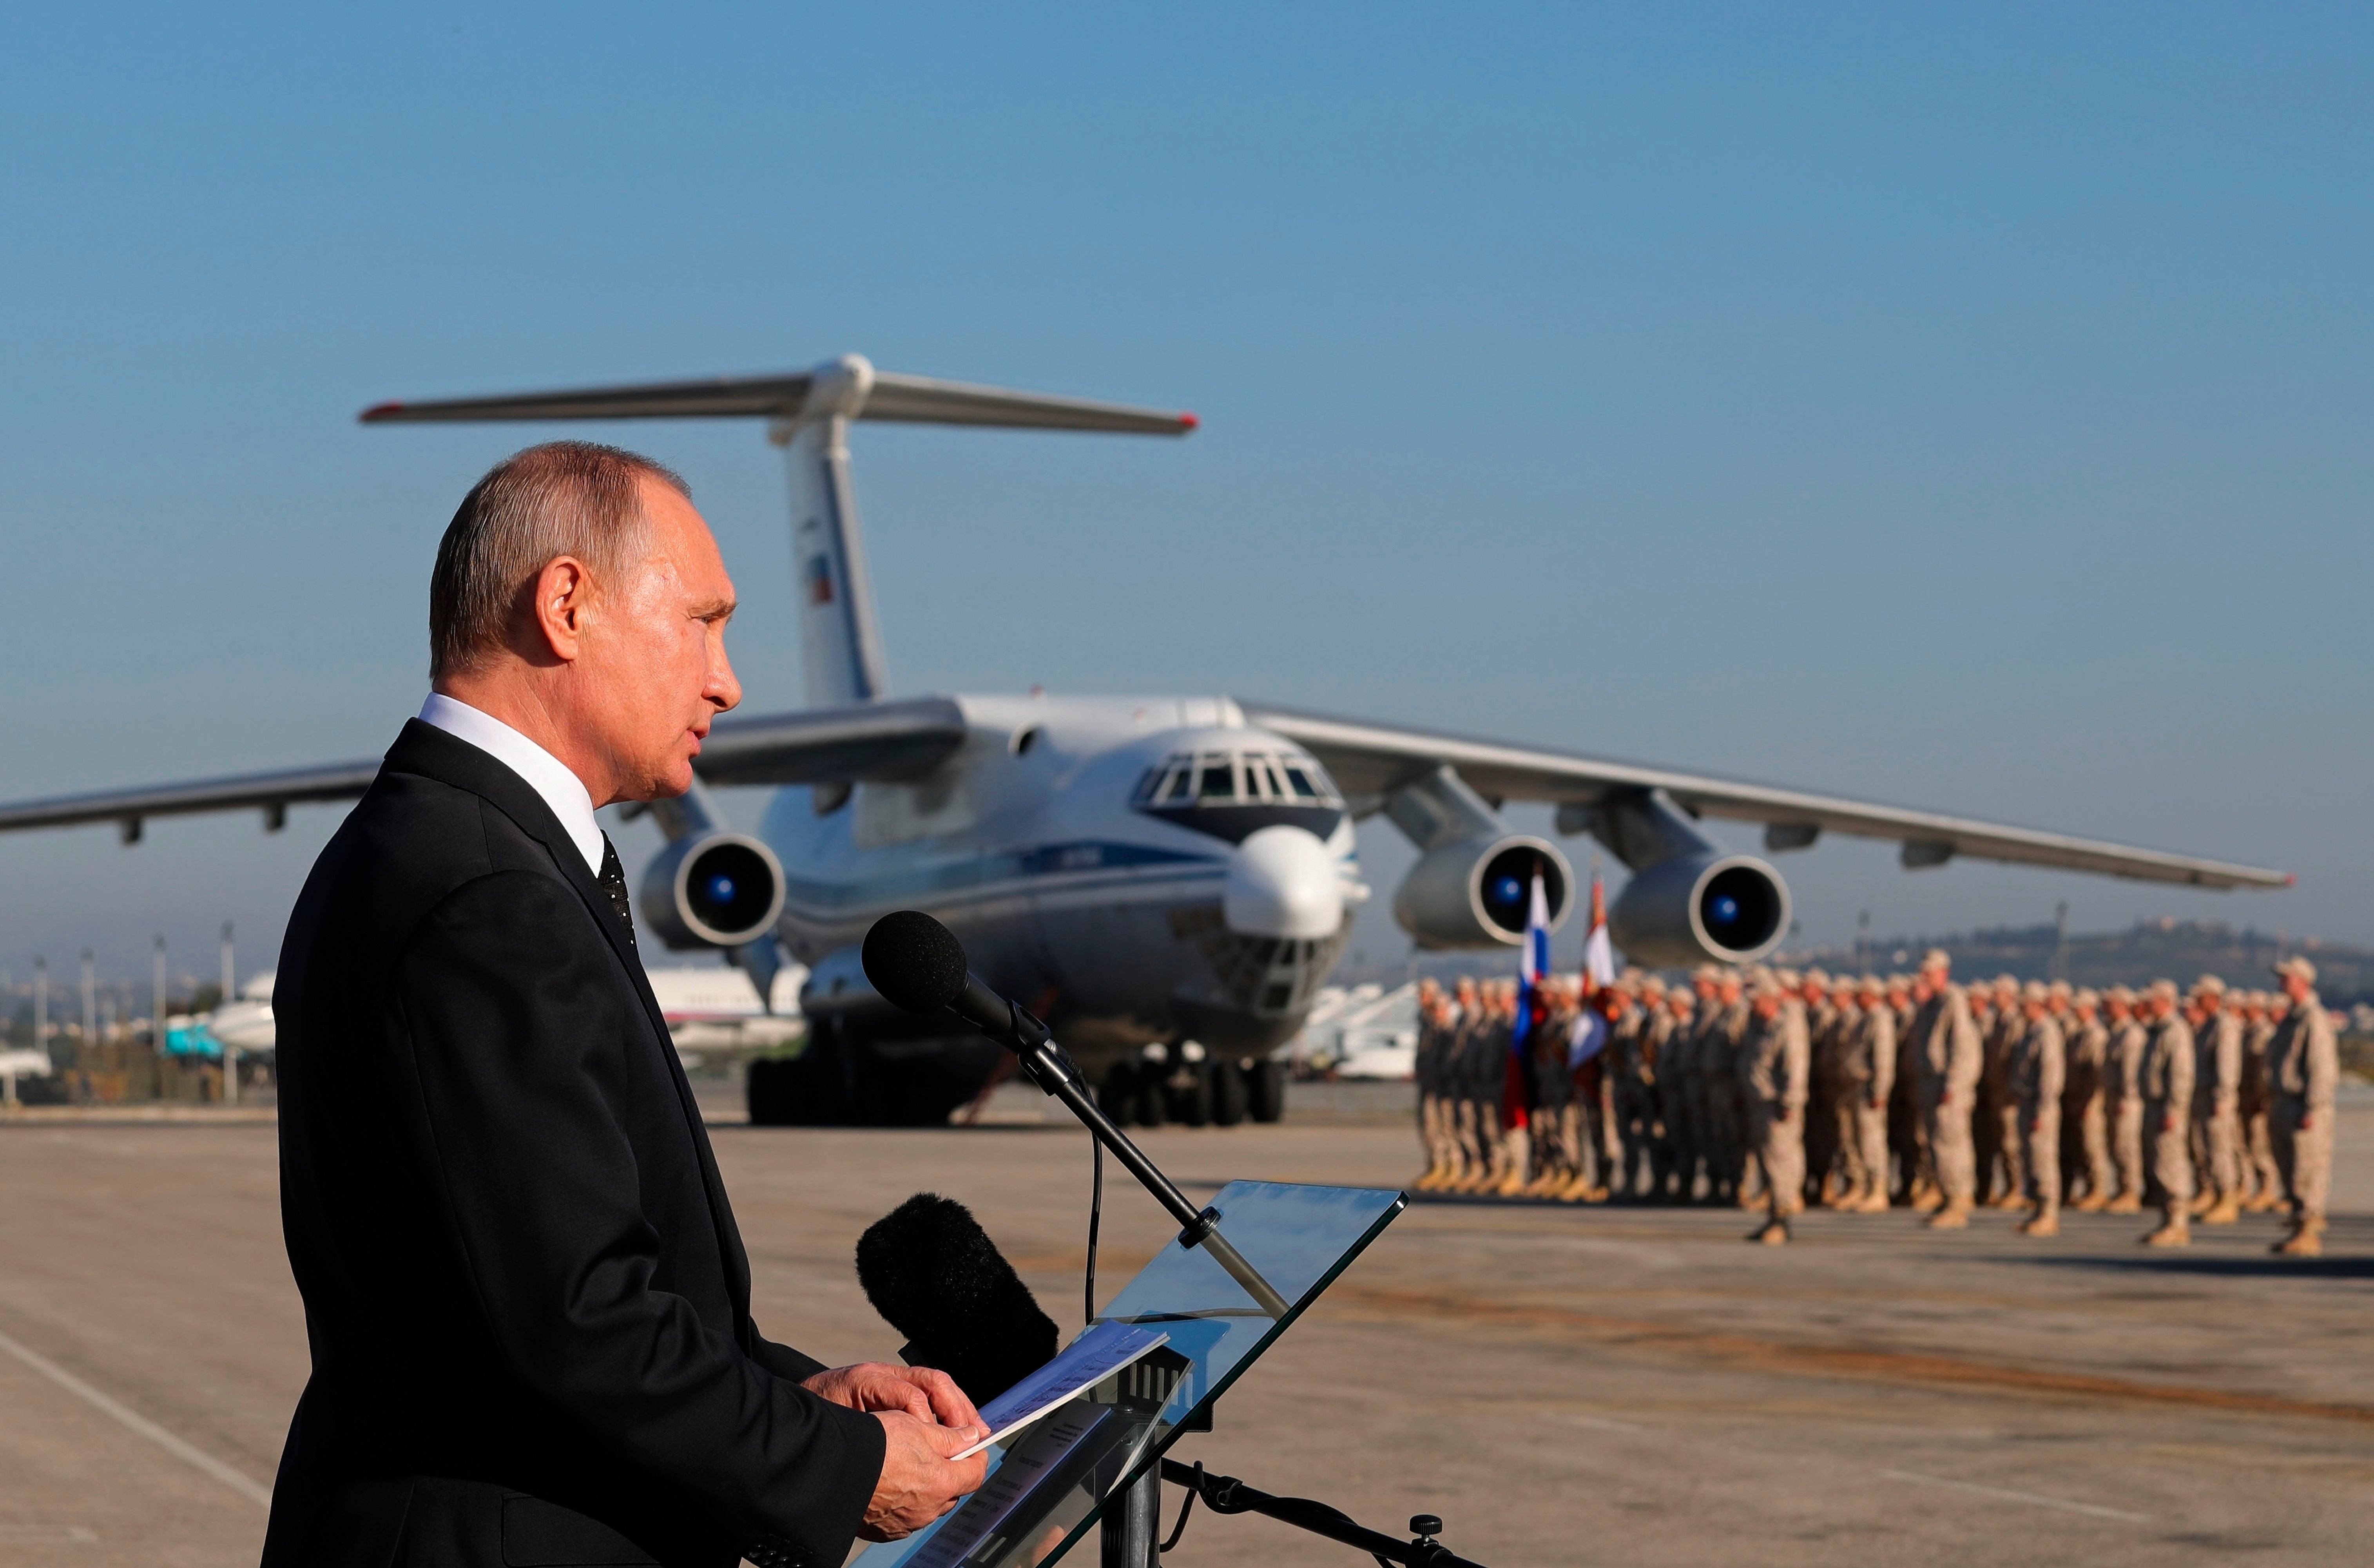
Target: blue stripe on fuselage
(978,871)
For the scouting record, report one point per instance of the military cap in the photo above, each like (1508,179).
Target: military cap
(2035,991)
(1704,972)
(1790,979)
(2085,999)
(2166,988)
(1817,976)
(1936,958)
(2121,994)
(2060,988)
(1653,985)
(2296,966)
(1871,983)
(2209,985)
(2007,983)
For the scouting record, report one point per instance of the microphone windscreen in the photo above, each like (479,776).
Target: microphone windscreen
(916,962)
(933,1274)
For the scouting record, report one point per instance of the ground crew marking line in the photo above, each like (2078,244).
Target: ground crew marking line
(2039,1499)
(108,1405)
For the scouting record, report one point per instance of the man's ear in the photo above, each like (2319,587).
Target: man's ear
(563,600)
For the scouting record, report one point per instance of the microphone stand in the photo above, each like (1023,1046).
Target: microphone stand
(1131,1528)
(1227,1494)
(1051,1068)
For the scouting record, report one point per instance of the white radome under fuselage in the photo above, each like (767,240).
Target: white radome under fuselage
(1126,919)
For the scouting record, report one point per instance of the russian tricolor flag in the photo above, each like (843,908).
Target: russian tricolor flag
(1533,967)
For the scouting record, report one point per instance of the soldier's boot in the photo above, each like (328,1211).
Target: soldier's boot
(2306,1240)
(2043,1223)
(1518,1152)
(2225,1212)
(1873,1201)
(2202,1203)
(2008,1199)
(2174,1230)
(1581,1189)
(1928,1198)
(2127,1202)
(1772,1232)
(2092,1203)
(1952,1217)
(2263,1202)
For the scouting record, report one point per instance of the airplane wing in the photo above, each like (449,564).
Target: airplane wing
(274,793)
(910,400)
(862,741)
(1372,760)
(884,740)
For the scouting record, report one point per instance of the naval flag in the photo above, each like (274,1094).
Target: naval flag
(1598,953)
(1533,967)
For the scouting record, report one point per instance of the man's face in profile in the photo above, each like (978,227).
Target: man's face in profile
(656,664)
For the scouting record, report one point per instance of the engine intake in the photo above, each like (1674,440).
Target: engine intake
(1691,908)
(1474,892)
(712,890)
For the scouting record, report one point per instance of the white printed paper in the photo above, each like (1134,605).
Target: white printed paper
(1087,1361)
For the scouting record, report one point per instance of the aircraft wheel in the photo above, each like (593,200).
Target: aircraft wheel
(1147,1106)
(1118,1097)
(1192,1105)
(1266,1092)
(1227,1094)
(763,1093)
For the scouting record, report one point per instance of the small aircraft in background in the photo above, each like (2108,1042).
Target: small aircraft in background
(1167,880)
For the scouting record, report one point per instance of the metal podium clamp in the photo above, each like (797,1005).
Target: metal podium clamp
(1227,1494)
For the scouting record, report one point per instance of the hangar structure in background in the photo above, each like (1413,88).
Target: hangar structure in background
(1167,880)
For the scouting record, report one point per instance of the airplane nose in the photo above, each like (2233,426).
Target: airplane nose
(1282,882)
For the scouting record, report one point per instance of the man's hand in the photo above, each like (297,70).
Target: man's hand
(919,1480)
(878,1385)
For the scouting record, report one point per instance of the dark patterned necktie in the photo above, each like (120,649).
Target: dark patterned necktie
(614,883)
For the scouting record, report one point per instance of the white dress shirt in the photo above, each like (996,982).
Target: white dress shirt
(543,773)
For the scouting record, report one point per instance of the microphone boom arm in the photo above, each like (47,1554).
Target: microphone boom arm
(1051,1067)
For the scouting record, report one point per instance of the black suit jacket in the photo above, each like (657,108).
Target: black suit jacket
(528,1307)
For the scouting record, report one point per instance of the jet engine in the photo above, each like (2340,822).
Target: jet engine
(712,890)
(1693,908)
(1474,892)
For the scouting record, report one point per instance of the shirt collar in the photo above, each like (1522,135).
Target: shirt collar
(542,771)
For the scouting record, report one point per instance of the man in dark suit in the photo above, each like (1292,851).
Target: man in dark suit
(526,1299)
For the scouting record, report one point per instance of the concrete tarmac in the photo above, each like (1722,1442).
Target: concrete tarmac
(1562,1385)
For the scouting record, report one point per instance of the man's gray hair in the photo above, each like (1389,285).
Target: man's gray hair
(561,498)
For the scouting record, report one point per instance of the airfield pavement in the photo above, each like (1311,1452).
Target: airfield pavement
(1564,1385)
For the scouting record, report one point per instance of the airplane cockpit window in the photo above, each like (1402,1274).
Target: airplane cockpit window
(1230,794)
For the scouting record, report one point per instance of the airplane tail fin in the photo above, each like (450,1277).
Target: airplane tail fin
(810,412)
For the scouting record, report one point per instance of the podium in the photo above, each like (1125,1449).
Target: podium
(1094,1463)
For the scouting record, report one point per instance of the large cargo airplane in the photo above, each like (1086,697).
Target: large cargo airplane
(1153,874)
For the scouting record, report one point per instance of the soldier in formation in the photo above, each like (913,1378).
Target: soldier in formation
(1775,1089)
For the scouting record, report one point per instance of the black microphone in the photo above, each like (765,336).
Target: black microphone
(933,1274)
(919,965)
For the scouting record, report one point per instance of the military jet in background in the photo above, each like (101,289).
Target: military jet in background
(1167,880)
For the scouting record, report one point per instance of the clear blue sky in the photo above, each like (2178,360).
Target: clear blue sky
(1965,407)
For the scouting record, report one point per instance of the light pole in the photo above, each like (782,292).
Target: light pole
(90,998)
(41,1004)
(229,1051)
(157,996)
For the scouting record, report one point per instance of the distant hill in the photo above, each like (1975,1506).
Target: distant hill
(2177,949)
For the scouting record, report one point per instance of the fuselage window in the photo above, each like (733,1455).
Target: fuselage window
(1148,782)
(1300,782)
(1219,779)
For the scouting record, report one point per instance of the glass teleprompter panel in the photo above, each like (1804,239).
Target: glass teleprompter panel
(1063,1466)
